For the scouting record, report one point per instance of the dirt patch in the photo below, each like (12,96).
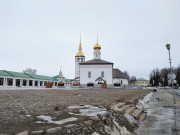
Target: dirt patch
(20,108)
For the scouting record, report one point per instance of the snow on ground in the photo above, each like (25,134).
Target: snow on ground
(95,133)
(130,118)
(79,107)
(88,110)
(117,130)
(142,104)
(49,119)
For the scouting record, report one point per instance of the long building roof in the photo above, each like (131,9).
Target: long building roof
(25,75)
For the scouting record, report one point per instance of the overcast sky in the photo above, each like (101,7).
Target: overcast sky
(44,34)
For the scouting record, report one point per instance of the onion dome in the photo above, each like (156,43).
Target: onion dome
(97,46)
(79,54)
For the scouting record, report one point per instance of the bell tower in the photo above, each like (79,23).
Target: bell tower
(78,59)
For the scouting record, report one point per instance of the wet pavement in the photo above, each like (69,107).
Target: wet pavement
(163,117)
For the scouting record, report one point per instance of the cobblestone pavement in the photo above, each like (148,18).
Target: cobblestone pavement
(19,108)
(162,115)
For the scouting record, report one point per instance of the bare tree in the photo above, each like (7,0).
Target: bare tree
(132,80)
(126,73)
(30,71)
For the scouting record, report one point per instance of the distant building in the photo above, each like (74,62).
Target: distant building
(142,82)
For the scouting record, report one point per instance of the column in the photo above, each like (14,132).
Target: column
(14,82)
(33,82)
(5,82)
(21,82)
(42,83)
(38,83)
(27,82)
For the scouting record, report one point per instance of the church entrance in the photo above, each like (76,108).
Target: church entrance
(101,83)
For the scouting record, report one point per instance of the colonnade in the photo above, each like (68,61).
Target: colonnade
(20,82)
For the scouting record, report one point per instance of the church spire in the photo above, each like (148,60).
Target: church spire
(97,38)
(80,53)
(80,46)
(60,73)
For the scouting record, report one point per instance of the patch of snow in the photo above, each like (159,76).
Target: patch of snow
(117,130)
(48,119)
(79,107)
(123,130)
(142,104)
(88,110)
(28,115)
(95,133)
(92,111)
(130,118)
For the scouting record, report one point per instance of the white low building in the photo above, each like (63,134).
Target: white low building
(119,78)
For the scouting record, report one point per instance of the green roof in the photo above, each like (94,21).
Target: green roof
(25,75)
(18,74)
(56,77)
(41,77)
(4,73)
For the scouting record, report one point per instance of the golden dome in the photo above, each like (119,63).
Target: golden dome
(80,54)
(97,46)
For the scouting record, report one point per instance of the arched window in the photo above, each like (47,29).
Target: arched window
(90,84)
(117,84)
(77,59)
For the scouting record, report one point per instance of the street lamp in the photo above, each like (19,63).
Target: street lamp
(168,46)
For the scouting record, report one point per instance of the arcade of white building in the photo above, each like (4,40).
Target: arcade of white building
(17,79)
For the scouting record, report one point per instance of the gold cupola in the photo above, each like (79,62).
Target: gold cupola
(80,53)
(97,46)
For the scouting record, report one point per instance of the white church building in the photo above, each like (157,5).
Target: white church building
(97,72)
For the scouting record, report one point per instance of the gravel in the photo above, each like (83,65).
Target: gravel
(20,108)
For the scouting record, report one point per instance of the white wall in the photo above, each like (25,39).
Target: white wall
(95,73)
(124,81)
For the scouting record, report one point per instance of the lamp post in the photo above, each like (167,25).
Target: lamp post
(168,46)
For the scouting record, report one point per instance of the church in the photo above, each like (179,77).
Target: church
(97,72)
